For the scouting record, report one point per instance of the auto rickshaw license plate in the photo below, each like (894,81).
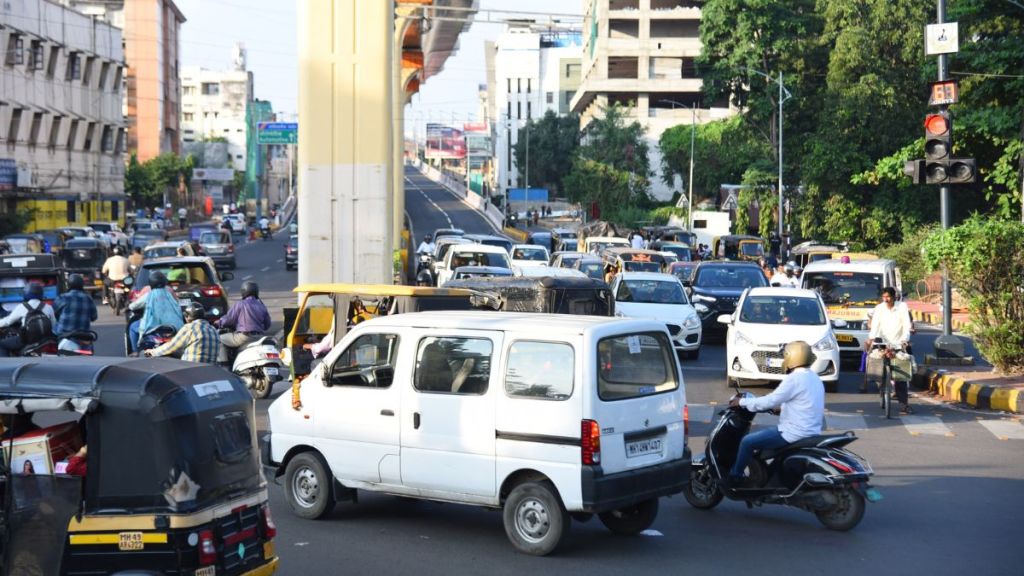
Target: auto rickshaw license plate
(130,541)
(844,338)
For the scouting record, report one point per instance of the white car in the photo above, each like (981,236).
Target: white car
(529,255)
(765,320)
(470,254)
(112,231)
(661,297)
(237,222)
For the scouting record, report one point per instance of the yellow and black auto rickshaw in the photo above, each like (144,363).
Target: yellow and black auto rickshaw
(169,483)
(85,256)
(738,247)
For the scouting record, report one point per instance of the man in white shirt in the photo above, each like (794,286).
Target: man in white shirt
(33,302)
(636,240)
(115,269)
(427,246)
(891,322)
(801,395)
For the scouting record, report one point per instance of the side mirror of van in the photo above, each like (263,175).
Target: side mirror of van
(725,319)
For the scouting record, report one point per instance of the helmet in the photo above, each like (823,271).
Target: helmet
(424,278)
(118,251)
(796,354)
(157,280)
(194,311)
(250,288)
(33,291)
(75,282)
(427,238)
(790,267)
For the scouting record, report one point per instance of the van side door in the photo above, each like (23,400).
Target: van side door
(448,413)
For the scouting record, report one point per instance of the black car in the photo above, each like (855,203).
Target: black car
(291,252)
(193,278)
(715,288)
(563,240)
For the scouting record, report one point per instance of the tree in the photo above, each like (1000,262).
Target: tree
(985,258)
(553,141)
(137,182)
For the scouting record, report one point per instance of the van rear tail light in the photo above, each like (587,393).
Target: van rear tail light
(686,420)
(590,442)
(269,528)
(207,551)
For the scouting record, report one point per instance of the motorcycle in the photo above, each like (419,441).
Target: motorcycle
(44,347)
(149,339)
(118,296)
(265,233)
(259,365)
(77,343)
(816,474)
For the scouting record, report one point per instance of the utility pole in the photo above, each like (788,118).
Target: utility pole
(693,130)
(945,200)
(781,201)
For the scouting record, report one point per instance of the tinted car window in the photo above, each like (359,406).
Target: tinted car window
(470,258)
(729,277)
(782,310)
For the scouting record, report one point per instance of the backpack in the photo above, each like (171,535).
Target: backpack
(36,325)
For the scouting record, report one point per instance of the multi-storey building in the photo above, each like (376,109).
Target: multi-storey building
(536,68)
(152,30)
(213,104)
(640,54)
(62,132)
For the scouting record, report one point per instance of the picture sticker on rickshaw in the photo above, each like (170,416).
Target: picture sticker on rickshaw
(130,541)
(212,388)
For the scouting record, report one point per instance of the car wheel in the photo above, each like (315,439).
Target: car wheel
(535,519)
(308,486)
(631,520)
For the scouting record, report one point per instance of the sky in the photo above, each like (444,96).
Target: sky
(268,30)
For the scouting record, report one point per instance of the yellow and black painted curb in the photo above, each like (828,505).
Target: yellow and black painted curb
(956,389)
(936,319)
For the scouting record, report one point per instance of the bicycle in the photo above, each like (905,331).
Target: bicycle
(887,382)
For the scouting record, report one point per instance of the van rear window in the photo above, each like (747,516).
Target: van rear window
(635,365)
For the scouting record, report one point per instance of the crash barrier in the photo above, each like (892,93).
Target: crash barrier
(976,394)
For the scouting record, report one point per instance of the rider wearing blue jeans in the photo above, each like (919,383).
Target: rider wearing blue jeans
(801,395)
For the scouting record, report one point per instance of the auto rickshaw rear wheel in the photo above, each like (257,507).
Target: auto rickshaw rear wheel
(308,486)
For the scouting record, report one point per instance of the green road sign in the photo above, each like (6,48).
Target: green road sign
(278,132)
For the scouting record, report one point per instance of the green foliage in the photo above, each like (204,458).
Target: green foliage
(907,255)
(553,141)
(15,222)
(613,190)
(611,141)
(137,183)
(659,216)
(146,182)
(985,258)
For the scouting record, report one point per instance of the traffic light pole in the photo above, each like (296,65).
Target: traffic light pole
(945,201)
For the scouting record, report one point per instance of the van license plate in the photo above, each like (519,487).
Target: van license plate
(643,447)
(129,541)
(206,571)
(844,338)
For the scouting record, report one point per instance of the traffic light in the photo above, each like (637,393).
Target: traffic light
(914,169)
(938,144)
(962,171)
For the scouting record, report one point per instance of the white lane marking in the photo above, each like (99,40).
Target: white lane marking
(1004,429)
(701,412)
(839,421)
(434,204)
(650,532)
(930,425)
(279,260)
(265,268)
(246,277)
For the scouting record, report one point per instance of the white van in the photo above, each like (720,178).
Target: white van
(850,291)
(545,416)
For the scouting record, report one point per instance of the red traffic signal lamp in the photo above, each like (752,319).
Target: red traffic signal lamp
(938,145)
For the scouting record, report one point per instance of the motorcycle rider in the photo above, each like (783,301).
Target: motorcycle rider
(33,304)
(788,279)
(248,318)
(115,269)
(75,311)
(264,226)
(135,259)
(427,246)
(801,396)
(891,322)
(196,341)
(161,309)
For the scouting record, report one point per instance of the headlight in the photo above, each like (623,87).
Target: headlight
(742,339)
(825,344)
(702,298)
(701,308)
(691,322)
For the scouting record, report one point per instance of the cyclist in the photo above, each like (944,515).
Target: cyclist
(891,322)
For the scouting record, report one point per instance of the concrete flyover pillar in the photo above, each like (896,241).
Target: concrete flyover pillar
(345,160)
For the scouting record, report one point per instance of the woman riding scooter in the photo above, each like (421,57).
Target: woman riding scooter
(161,308)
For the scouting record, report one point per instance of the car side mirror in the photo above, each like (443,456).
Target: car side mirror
(225,276)
(839,323)
(725,319)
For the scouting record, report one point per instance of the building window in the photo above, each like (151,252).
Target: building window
(188,116)
(87,73)
(104,72)
(238,156)
(74,67)
(89,131)
(529,83)
(35,56)
(519,85)
(54,132)
(549,97)
(572,70)
(15,126)
(508,109)
(51,65)
(508,153)
(509,81)
(37,124)
(519,110)
(211,89)
(72,135)
(529,108)
(107,141)
(188,90)
(117,80)
(15,50)
(119,145)
(568,97)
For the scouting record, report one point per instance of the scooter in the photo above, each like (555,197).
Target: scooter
(151,338)
(77,343)
(265,233)
(815,474)
(118,296)
(44,347)
(259,365)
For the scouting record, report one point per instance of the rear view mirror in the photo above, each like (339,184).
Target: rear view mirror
(225,276)
(839,323)
(725,319)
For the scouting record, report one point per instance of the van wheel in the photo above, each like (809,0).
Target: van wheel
(308,486)
(535,519)
(631,520)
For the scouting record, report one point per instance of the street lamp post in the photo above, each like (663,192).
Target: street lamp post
(693,129)
(788,95)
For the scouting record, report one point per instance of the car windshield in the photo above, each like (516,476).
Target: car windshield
(681,252)
(782,310)
(569,260)
(214,238)
(535,254)
(592,269)
(651,292)
(81,257)
(846,287)
(470,258)
(100,227)
(729,277)
(178,272)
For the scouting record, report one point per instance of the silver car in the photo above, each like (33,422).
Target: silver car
(219,247)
